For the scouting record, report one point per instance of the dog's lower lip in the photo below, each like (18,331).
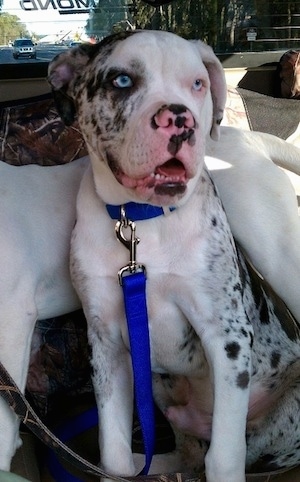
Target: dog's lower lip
(170,188)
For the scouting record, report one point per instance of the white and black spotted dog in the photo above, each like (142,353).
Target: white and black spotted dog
(224,354)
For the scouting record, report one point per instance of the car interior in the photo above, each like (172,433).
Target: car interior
(251,39)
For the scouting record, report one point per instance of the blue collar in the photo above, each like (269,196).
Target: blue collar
(136,211)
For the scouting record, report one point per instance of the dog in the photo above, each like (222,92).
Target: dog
(224,350)
(38,210)
(38,206)
(270,203)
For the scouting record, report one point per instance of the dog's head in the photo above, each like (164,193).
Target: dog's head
(145,102)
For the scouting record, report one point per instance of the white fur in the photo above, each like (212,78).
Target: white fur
(37,214)
(35,280)
(175,249)
(260,203)
(41,202)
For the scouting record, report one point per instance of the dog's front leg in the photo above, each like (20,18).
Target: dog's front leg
(113,386)
(230,365)
(16,333)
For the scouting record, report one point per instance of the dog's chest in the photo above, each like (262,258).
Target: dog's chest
(192,275)
(178,351)
(185,279)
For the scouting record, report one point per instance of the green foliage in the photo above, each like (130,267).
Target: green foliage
(11,28)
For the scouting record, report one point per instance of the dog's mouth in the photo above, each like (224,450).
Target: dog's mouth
(168,179)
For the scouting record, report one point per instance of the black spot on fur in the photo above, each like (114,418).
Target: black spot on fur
(259,297)
(176,141)
(92,86)
(232,349)
(237,287)
(244,332)
(243,379)
(175,144)
(189,343)
(275,359)
(242,270)
(264,312)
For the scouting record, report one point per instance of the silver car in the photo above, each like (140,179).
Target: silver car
(24,47)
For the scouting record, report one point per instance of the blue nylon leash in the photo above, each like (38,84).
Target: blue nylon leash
(134,288)
(132,278)
(72,428)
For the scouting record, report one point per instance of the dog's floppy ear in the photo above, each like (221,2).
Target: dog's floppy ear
(218,85)
(62,72)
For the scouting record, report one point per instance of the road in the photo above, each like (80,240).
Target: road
(44,53)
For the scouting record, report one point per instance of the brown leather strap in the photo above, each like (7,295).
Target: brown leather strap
(18,403)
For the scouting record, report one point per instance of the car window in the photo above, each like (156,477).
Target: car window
(231,27)
(23,42)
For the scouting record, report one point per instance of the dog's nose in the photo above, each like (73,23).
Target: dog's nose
(173,119)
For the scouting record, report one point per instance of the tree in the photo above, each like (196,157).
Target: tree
(11,28)
(223,24)
(189,18)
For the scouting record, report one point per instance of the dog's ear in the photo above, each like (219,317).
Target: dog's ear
(63,71)
(218,85)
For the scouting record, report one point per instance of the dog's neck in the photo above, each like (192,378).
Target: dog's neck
(137,212)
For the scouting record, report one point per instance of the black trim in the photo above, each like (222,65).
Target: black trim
(249,59)
(24,70)
(26,100)
(237,60)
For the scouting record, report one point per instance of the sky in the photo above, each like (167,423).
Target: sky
(45,22)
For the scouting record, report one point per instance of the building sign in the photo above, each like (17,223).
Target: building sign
(251,34)
(62,6)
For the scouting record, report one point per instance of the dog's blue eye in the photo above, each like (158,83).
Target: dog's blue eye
(197,85)
(123,81)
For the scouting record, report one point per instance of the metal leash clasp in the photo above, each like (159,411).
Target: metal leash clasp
(130,243)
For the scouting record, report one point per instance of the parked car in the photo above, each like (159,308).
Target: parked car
(24,47)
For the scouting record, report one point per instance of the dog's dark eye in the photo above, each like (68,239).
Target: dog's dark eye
(197,85)
(123,81)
